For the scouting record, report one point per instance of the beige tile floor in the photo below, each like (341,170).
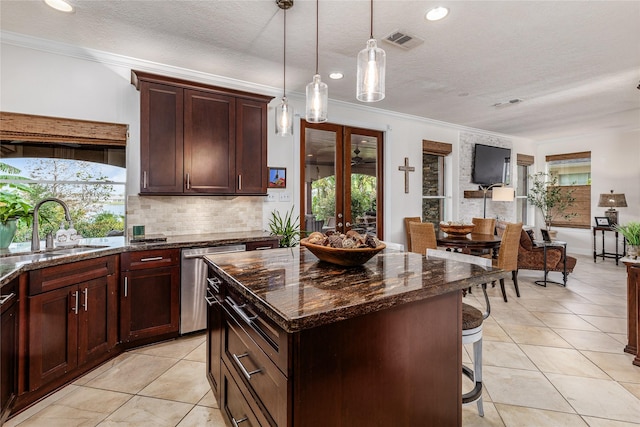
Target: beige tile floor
(551,358)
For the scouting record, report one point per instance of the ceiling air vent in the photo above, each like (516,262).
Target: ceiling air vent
(403,40)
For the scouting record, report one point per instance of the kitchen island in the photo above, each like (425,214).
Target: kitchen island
(294,341)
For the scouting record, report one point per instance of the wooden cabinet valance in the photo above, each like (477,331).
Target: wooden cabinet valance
(200,139)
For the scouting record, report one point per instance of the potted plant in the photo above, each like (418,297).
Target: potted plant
(287,228)
(631,232)
(551,199)
(14,208)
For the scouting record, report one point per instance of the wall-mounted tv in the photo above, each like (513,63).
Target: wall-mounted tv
(490,165)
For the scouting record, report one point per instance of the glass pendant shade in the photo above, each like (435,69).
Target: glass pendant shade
(370,76)
(284,118)
(317,99)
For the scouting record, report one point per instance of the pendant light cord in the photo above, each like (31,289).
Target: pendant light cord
(284,60)
(371,36)
(317,32)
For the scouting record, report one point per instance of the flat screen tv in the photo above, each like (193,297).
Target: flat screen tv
(490,165)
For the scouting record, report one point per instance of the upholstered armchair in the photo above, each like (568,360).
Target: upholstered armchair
(531,257)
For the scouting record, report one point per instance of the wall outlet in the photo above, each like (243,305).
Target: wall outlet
(272,197)
(285,197)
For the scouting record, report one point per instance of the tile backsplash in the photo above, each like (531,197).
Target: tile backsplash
(177,215)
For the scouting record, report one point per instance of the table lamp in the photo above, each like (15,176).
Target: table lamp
(612,201)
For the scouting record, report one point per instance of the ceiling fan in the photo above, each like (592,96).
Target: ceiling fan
(357,160)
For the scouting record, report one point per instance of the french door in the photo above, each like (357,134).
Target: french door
(341,178)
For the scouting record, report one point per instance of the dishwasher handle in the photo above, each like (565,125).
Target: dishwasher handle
(195,253)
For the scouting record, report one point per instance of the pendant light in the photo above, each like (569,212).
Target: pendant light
(284,111)
(371,67)
(317,91)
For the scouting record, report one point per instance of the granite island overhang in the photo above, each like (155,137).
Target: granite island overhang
(378,344)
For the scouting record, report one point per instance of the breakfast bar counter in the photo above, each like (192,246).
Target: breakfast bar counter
(307,343)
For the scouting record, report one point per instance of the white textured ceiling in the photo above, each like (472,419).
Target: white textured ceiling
(575,64)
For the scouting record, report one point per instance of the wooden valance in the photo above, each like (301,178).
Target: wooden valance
(31,128)
(569,156)
(436,148)
(524,160)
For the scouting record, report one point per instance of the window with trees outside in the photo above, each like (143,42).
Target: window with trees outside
(89,179)
(573,171)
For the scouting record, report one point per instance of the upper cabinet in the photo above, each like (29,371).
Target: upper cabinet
(200,139)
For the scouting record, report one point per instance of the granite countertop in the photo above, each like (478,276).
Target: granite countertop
(297,291)
(9,269)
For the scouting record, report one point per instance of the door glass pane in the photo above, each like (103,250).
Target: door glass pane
(363,183)
(320,180)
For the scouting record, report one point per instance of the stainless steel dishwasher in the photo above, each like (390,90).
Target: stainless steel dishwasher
(193,286)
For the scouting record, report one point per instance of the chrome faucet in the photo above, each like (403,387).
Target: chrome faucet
(35,237)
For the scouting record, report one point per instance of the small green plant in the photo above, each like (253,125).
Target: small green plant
(287,228)
(14,206)
(631,232)
(552,199)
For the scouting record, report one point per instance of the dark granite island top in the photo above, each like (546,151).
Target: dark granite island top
(297,291)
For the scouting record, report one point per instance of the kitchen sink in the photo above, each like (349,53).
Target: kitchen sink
(43,255)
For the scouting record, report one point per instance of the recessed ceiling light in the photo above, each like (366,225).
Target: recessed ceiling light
(60,5)
(437,13)
(336,76)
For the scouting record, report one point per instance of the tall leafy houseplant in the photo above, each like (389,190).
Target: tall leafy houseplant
(551,199)
(287,228)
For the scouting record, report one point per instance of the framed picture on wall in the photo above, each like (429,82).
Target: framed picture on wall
(277,178)
(602,221)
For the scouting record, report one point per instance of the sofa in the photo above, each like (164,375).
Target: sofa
(531,257)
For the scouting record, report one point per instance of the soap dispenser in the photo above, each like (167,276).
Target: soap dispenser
(72,234)
(61,235)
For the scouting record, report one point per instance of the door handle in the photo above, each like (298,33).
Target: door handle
(239,182)
(76,297)
(126,286)
(86,298)
(144,179)
(188,182)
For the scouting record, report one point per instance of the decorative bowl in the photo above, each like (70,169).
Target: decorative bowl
(344,257)
(457,229)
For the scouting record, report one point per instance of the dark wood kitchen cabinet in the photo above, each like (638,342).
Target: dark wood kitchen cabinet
(200,139)
(149,295)
(73,310)
(8,347)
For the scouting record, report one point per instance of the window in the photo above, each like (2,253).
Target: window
(80,162)
(523,163)
(573,171)
(433,183)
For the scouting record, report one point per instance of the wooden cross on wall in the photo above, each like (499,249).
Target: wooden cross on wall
(406,169)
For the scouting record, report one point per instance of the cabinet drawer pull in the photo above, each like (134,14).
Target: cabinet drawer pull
(211,300)
(6,298)
(214,282)
(144,179)
(188,182)
(86,298)
(241,420)
(126,286)
(239,182)
(262,248)
(153,258)
(238,309)
(246,373)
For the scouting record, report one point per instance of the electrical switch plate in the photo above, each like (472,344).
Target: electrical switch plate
(272,197)
(285,197)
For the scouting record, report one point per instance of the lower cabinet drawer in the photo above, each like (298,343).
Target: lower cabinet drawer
(234,405)
(259,374)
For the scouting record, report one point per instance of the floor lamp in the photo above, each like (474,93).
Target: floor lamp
(500,193)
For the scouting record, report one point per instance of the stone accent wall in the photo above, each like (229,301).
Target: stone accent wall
(178,215)
(470,208)
(431,208)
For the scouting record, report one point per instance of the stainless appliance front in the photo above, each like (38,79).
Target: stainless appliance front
(193,286)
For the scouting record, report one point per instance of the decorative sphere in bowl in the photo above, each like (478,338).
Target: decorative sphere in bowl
(350,257)
(457,229)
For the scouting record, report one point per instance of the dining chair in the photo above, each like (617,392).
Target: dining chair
(484,225)
(472,319)
(407,230)
(423,237)
(508,255)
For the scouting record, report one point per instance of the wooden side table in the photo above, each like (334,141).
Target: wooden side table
(604,254)
(633,305)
